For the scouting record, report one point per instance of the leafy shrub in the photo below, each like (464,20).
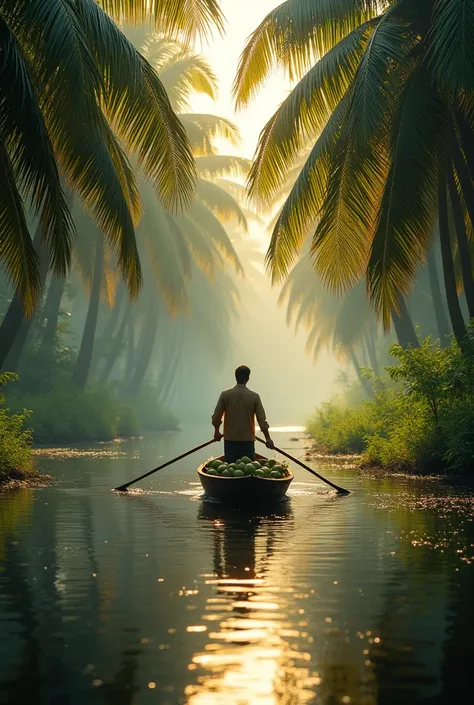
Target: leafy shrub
(420,418)
(15,439)
(67,415)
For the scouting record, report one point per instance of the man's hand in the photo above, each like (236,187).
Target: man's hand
(218,436)
(270,444)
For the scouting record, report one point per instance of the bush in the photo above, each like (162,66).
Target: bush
(420,419)
(71,416)
(16,457)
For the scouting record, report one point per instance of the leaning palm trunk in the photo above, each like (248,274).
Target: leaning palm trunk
(463,243)
(145,346)
(51,311)
(15,325)
(437,299)
(455,313)
(363,380)
(403,325)
(105,341)
(84,358)
(116,345)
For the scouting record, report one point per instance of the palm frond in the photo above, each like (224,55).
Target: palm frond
(407,211)
(139,110)
(221,203)
(294,35)
(203,217)
(303,206)
(17,253)
(303,114)
(204,254)
(163,255)
(187,74)
(189,18)
(451,49)
(125,172)
(202,129)
(222,165)
(27,142)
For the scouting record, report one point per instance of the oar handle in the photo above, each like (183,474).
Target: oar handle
(341,490)
(123,488)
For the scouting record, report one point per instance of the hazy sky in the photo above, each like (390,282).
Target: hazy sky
(278,359)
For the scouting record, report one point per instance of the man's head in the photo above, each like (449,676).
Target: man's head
(242,374)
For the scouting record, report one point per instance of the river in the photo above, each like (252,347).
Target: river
(160,597)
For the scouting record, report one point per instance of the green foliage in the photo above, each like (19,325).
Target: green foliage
(15,440)
(67,416)
(420,419)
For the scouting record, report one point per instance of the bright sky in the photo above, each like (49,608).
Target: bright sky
(287,371)
(242,18)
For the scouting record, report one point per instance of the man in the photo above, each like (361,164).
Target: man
(239,406)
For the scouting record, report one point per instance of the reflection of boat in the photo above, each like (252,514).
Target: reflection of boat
(244,489)
(234,535)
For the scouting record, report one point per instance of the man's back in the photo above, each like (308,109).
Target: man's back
(240,405)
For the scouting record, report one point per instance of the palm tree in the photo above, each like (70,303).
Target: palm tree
(384,92)
(173,245)
(88,99)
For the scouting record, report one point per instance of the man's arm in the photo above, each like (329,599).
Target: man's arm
(262,422)
(217,417)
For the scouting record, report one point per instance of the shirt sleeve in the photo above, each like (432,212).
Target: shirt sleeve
(261,415)
(218,411)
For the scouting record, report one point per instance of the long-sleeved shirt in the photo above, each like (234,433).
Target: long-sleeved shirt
(239,406)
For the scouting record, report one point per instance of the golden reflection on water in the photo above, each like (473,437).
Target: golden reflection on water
(248,659)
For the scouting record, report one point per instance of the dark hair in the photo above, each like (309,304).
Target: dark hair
(242,374)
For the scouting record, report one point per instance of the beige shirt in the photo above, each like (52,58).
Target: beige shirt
(239,406)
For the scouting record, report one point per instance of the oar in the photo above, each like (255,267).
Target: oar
(123,488)
(341,490)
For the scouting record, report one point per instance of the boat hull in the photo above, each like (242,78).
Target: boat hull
(244,490)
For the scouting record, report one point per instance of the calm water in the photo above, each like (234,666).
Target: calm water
(160,597)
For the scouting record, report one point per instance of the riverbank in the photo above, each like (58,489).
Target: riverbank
(419,419)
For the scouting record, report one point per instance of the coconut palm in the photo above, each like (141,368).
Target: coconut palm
(175,246)
(88,100)
(81,85)
(385,91)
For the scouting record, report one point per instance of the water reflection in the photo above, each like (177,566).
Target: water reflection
(248,657)
(157,597)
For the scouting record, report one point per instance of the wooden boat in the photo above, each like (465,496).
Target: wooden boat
(248,489)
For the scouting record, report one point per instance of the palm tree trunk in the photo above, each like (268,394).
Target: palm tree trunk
(15,325)
(372,350)
(364,382)
(84,358)
(436,296)
(463,242)
(130,359)
(145,350)
(457,320)
(51,311)
(116,347)
(403,325)
(105,341)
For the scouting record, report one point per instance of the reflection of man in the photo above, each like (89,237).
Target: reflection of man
(239,406)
